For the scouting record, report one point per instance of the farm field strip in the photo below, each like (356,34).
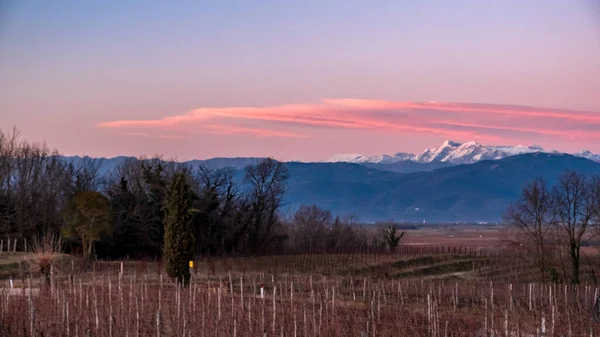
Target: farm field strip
(298,304)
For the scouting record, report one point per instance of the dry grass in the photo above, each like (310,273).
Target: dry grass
(46,250)
(455,235)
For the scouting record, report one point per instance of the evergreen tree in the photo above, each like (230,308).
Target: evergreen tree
(179,229)
(125,240)
(152,207)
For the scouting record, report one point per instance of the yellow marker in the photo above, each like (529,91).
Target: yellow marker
(191,264)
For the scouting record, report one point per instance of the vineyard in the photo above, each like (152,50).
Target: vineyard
(418,291)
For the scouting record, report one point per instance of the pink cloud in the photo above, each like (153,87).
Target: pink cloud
(135,134)
(148,135)
(461,121)
(212,129)
(226,129)
(468,107)
(557,133)
(166,136)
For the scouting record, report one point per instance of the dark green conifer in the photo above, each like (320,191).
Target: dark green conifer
(179,229)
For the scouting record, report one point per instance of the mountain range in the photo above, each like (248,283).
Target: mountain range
(455,182)
(454,153)
(470,192)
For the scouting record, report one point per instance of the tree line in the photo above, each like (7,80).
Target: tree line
(552,224)
(134,210)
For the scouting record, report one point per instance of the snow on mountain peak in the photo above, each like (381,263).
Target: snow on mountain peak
(471,144)
(456,153)
(438,154)
(358,158)
(401,156)
(344,157)
(588,155)
(450,143)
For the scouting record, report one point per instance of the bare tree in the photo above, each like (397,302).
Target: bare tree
(574,208)
(35,189)
(310,226)
(391,237)
(530,221)
(267,181)
(85,175)
(595,197)
(217,228)
(8,149)
(343,235)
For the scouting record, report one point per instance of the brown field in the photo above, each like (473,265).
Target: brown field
(469,236)
(440,283)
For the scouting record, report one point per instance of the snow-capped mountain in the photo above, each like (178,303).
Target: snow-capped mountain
(471,152)
(455,153)
(588,155)
(440,153)
(357,158)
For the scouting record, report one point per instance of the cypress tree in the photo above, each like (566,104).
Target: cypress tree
(179,229)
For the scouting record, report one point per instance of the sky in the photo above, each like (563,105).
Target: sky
(299,80)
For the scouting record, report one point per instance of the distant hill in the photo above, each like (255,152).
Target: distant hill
(470,192)
(408,166)
(108,165)
(376,191)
